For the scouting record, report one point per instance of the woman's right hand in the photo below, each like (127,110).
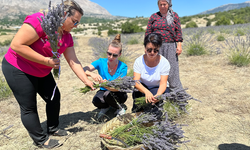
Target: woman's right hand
(52,62)
(149,97)
(96,77)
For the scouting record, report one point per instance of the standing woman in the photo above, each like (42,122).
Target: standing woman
(27,68)
(109,68)
(167,23)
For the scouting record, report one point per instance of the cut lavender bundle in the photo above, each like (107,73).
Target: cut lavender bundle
(124,84)
(174,103)
(165,136)
(51,24)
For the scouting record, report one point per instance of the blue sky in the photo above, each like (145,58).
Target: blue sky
(133,8)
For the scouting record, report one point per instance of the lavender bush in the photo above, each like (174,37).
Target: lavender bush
(199,43)
(238,50)
(124,84)
(51,24)
(5,91)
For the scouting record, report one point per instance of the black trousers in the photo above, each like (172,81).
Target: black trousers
(25,88)
(104,99)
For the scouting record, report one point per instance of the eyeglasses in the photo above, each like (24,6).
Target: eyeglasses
(75,22)
(149,50)
(114,55)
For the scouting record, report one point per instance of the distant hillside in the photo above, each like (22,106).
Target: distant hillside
(13,8)
(226,7)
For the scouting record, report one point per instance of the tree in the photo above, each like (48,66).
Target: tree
(191,24)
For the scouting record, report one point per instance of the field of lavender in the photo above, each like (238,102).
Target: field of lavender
(219,122)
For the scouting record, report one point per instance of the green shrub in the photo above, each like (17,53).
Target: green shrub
(239,32)
(220,37)
(223,21)
(191,24)
(133,41)
(211,31)
(196,50)
(238,50)
(112,32)
(238,21)
(239,59)
(199,43)
(128,27)
(4,89)
(209,23)
(5,43)
(3,33)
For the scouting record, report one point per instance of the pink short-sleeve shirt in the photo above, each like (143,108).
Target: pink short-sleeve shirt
(41,46)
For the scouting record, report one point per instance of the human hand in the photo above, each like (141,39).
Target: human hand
(179,49)
(149,97)
(90,84)
(96,77)
(52,62)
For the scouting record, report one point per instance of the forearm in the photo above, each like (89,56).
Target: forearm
(28,53)
(78,70)
(161,90)
(141,88)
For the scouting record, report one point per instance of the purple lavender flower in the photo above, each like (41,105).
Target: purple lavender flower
(51,23)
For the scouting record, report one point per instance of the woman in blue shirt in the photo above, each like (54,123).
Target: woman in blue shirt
(109,69)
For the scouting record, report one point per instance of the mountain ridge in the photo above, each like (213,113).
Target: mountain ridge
(226,7)
(31,6)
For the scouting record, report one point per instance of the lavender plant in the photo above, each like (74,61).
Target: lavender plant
(51,24)
(124,84)
(5,91)
(238,50)
(199,43)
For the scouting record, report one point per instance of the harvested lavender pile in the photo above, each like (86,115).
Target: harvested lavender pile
(51,23)
(124,84)
(153,133)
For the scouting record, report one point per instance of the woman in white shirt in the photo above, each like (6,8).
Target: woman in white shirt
(152,70)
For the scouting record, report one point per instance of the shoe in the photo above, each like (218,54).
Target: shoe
(102,112)
(120,112)
(52,144)
(60,132)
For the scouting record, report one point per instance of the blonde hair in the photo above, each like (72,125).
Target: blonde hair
(117,42)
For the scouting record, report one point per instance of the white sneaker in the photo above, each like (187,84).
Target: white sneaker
(102,112)
(120,112)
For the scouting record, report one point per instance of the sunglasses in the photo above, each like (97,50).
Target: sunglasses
(75,22)
(149,50)
(114,55)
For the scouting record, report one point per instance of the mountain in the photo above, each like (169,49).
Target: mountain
(11,8)
(226,7)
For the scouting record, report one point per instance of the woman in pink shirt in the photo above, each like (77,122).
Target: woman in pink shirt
(27,68)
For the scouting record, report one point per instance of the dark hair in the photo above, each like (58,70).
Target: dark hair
(153,38)
(71,6)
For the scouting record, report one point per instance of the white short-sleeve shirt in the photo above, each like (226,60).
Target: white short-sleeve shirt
(150,76)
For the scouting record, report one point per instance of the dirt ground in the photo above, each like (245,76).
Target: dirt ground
(220,121)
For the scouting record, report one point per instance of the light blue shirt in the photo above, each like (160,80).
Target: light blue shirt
(102,66)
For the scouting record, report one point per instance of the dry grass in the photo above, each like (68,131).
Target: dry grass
(222,116)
